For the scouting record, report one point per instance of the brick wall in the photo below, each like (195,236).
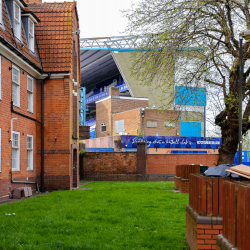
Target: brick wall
(160,117)
(6,186)
(59,124)
(132,121)
(115,165)
(103,115)
(58,131)
(184,186)
(23,125)
(112,105)
(121,105)
(84,132)
(176,182)
(110,166)
(165,164)
(202,231)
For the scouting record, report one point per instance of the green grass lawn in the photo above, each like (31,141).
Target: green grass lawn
(110,215)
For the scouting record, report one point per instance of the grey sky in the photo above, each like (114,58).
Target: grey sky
(100,18)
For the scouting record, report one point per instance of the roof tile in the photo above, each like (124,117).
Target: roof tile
(7,34)
(54,34)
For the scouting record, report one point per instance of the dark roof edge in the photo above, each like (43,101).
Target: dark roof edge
(24,4)
(14,49)
(18,53)
(56,72)
(32,13)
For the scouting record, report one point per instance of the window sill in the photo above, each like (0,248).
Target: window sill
(15,170)
(30,112)
(15,106)
(30,170)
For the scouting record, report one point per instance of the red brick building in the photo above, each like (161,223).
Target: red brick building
(128,115)
(39,80)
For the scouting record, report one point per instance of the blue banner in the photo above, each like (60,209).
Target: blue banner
(104,94)
(130,141)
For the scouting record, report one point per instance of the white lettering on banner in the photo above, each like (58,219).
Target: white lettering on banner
(208,142)
(177,141)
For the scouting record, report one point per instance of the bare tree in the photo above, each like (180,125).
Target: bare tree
(200,39)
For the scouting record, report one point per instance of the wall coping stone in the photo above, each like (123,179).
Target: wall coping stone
(224,244)
(184,180)
(205,220)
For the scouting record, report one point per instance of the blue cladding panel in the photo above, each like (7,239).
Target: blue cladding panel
(245,157)
(191,129)
(92,134)
(190,96)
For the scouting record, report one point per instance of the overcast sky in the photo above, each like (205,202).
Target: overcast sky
(100,18)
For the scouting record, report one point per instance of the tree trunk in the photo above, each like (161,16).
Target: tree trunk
(228,148)
(228,120)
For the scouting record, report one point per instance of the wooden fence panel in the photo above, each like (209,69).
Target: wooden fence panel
(209,196)
(221,181)
(206,194)
(215,196)
(247,217)
(184,171)
(236,214)
(225,201)
(240,218)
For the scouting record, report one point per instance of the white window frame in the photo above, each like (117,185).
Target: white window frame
(29,91)
(17,22)
(17,85)
(169,124)
(151,124)
(0,77)
(31,36)
(102,126)
(18,150)
(30,150)
(0,147)
(1,11)
(118,126)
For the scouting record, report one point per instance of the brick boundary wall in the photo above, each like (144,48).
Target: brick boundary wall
(184,186)
(165,164)
(115,166)
(202,231)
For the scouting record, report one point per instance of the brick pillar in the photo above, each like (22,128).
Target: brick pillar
(141,161)
(84,132)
